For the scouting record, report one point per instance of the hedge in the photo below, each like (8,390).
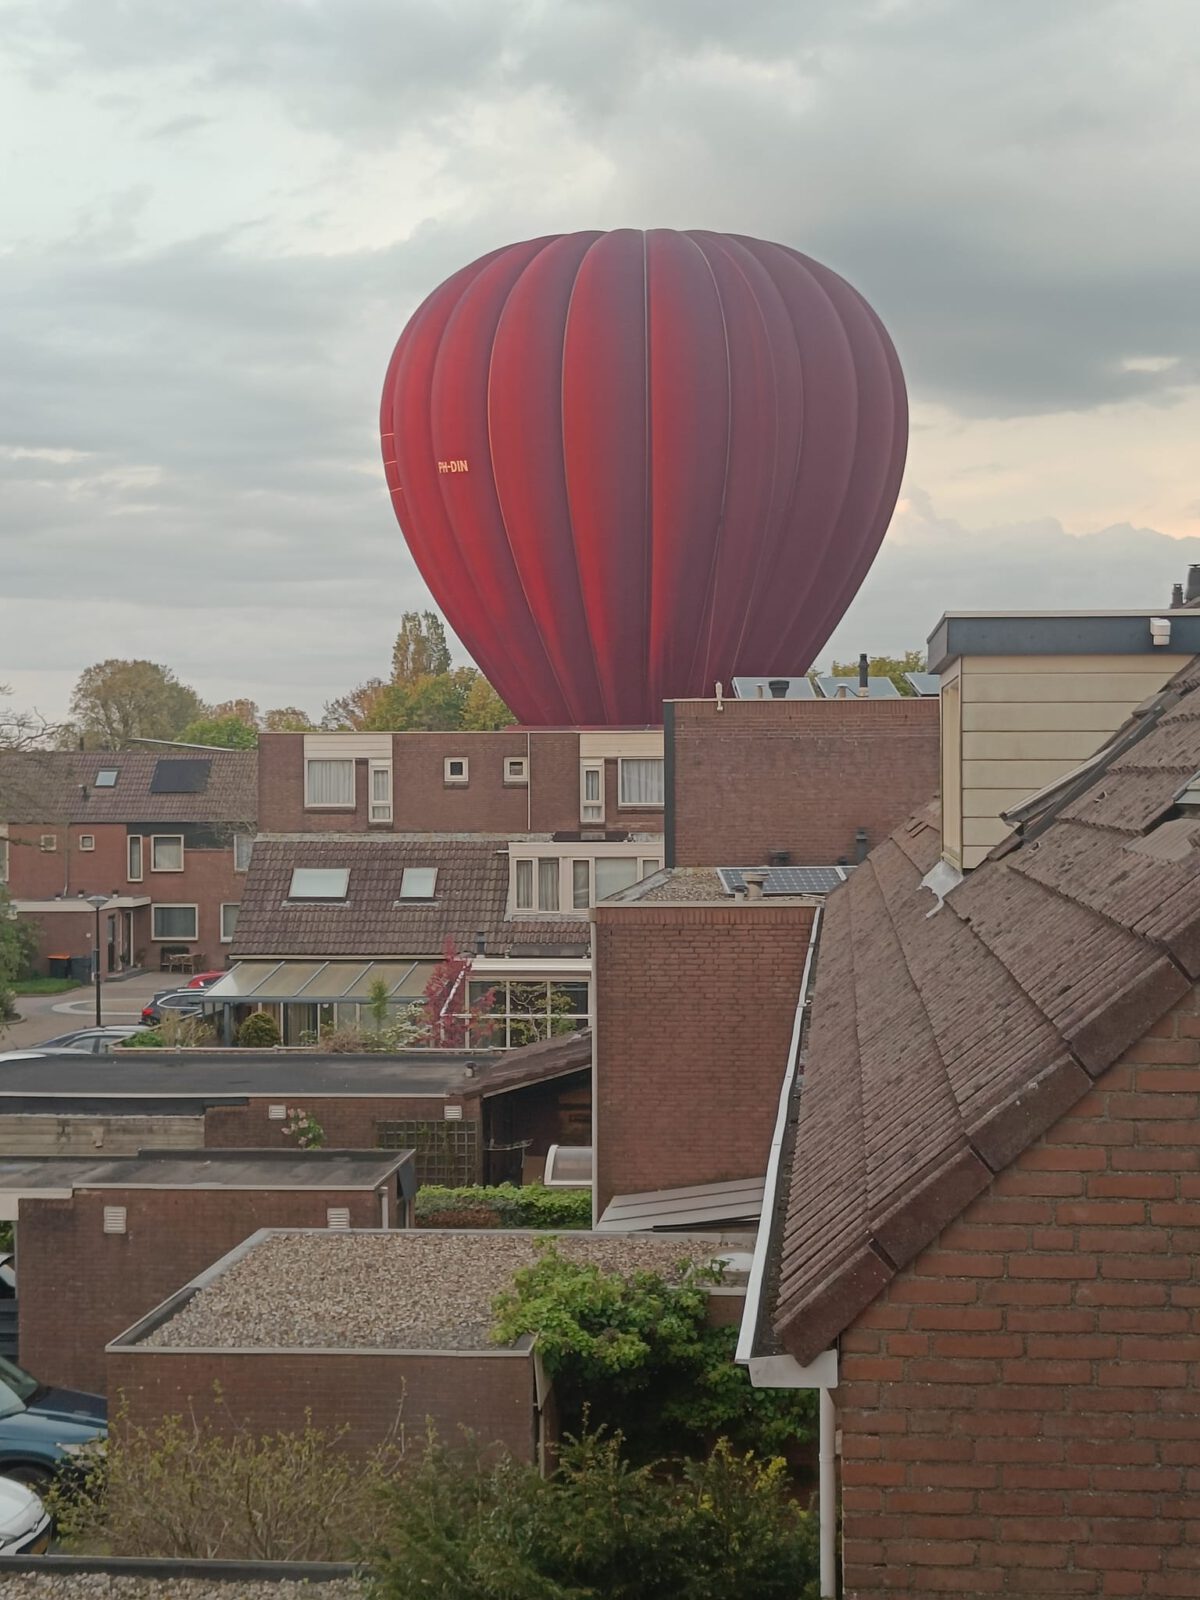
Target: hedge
(503,1205)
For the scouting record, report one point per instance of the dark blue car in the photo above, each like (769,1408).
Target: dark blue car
(42,1429)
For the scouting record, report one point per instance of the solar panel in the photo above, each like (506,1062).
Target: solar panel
(760,689)
(180,777)
(786,880)
(846,688)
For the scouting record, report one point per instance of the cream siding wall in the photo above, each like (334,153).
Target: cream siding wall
(1027,720)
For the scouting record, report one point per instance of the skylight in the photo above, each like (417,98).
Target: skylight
(106,778)
(319,883)
(418,883)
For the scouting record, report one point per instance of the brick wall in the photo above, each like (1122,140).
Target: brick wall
(81,1287)
(423,802)
(1020,1410)
(493,1395)
(795,775)
(694,1012)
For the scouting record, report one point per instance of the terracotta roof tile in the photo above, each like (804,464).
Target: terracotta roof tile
(941,1046)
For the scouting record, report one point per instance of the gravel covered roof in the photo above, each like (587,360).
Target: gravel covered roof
(427,1289)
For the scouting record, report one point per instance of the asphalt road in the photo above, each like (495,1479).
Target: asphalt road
(43,1016)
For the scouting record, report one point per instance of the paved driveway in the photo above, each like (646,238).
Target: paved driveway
(45,1015)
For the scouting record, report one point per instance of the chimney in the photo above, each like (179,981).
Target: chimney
(860,844)
(755,882)
(864,677)
(779,686)
(1191,593)
(1176,597)
(481,944)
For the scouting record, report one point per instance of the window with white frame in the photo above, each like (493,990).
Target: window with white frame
(174,922)
(134,872)
(516,770)
(106,778)
(380,780)
(329,783)
(319,883)
(591,791)
(457,769)
(515,1011)
(418,883)
(640,782)
(243,847)
(166,852)
(537,883)
(571,882)
(87,841)
(229,916)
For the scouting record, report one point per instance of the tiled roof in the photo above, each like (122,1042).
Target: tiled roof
(471,897)
(56,786)
(941,1046)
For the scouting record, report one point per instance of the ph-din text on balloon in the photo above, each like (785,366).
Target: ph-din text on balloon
(453,466)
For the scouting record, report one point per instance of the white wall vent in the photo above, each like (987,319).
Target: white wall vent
(114,1219)
(338,1216)
(276,1113)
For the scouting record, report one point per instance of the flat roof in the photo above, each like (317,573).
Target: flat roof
(408,1289)
(204,1169)
(696,886)
(208,1077)
(1066,633)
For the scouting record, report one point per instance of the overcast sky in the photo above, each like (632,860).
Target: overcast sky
(217,218)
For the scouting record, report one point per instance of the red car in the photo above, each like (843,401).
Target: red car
(203,979)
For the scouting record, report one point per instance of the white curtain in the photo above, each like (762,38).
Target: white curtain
(548,868)
(642,782)
(330,783)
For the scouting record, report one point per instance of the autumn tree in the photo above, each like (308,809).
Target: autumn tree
(483,709)
(245,711)
(116,702)
(351,711)
(893,667)
(420,650)
(287,719)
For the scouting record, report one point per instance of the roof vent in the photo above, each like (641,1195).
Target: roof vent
(778,688)
(1176,597)
(864,677)
(755,883)
(1191,593)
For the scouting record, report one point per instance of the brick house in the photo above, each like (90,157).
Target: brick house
(518,780)
(167,837)
(980,1236)
(127,1233)
(809,781)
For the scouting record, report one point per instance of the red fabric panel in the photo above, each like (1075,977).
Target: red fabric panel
(682,452)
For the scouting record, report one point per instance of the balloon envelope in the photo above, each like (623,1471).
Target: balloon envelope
(629,465)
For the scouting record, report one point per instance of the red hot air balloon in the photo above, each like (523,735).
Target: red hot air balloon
(631,464)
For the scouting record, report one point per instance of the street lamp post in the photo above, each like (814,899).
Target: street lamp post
(96,901)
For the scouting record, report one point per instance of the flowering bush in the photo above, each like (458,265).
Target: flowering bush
(302,1126)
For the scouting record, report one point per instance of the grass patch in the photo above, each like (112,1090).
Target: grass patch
(45,985)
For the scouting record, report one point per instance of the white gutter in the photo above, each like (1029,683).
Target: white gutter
(762,1243)
(784,1371)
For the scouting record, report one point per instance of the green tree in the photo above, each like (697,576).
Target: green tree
(246,711)
(231,733)
(432,703)
(483,709)
(420,650)
(115,702)
(893,667)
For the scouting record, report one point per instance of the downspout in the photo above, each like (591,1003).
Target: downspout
(784,1372)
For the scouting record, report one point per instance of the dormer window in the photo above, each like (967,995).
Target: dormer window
(418,883)
(319,883)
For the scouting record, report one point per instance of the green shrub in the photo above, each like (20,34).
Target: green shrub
(512,1205)
(260,1031)
(144,1039)
(639,1353)
(194,1489)
(722,1528)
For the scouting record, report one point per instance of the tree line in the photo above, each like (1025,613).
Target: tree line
(118,702)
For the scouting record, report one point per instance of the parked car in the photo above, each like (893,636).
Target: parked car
(205,980)
(42,1428)
(39,1054)
(96,1041)
(24,1521)
(179,1002)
